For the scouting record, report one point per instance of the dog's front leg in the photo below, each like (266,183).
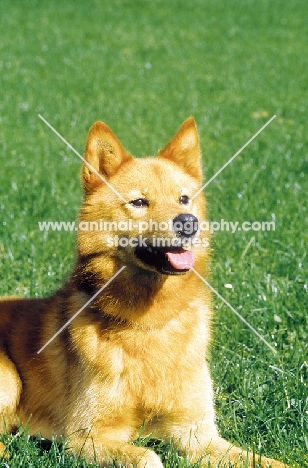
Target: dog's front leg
(200,444)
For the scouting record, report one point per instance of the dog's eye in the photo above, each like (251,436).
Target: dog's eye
(140,202)
(184,199)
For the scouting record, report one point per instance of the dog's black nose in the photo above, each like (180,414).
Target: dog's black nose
(185,225)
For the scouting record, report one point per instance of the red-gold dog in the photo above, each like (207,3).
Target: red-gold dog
(136,355)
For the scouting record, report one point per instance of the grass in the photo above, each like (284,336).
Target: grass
(144,67)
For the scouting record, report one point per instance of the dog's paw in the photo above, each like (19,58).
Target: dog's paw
(149,460)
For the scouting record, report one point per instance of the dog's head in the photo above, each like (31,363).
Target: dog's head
(142,213)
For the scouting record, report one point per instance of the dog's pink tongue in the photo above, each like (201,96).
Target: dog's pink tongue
(181,260)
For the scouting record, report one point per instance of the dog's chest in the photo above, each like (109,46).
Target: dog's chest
(147,371)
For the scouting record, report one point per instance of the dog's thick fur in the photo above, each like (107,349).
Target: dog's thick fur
(135,357)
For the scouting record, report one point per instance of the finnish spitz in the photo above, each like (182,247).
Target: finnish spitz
(135,355)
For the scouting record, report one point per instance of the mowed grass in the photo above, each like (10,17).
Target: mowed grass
(143,68)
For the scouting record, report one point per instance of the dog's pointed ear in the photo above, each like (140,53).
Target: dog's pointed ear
(184,149)
(104,155)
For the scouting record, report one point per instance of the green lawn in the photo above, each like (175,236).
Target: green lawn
(143,67)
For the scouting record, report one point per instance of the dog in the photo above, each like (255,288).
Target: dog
(123,344)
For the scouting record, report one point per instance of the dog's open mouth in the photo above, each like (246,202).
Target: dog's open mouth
(167,260)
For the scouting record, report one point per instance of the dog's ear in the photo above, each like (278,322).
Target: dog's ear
(104,155)
(184,149)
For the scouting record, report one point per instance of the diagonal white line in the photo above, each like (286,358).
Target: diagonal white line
(235,312)
(233,157)
(247,247)
(81,309)
(82,158)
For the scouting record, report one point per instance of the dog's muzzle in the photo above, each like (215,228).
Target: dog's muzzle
(172,259)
